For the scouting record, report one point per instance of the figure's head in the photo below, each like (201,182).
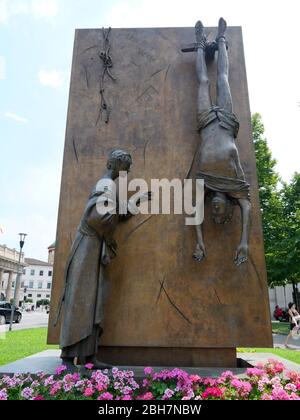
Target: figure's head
(292,306)
(119,160)
(222,208)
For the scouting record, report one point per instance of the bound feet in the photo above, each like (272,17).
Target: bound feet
(200,35)
(221,29)
(210,47)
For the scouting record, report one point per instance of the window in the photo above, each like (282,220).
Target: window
(49,273)
(31,285)
(41,273)
(47,296)
(48,285)
(38,296)
(40,285)
(30,295)
(32,272)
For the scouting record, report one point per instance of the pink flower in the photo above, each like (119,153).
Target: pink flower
(280,394)
(88,392)
(294,397)
(212,392)
(148,371)
(3,395)
(195,378)
(89,366)
(274,367)
(147,396)
(60,370)
(106,396)
(101,387)
(210,381)
(266,397)
(168,394)
(39,398)
(55,388)
(75,377)
(236,383)
(227,375)
(27,393)
(126,397)
(255,372)
(293,376)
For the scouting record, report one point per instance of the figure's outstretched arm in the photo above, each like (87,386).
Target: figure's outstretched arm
(200,251)
(131,206)
(242,250)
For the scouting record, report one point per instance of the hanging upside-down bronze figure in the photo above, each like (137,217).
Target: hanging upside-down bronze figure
(218,162)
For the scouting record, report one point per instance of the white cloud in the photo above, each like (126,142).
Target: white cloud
(15,117)
(3,11)
(52,78)
(39,193)
(37,8)
(2,68)
(19,7)
(44,8)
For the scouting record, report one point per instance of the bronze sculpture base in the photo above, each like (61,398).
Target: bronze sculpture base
(168,356)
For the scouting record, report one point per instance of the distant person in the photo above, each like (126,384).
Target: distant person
(278,313)
(294,318)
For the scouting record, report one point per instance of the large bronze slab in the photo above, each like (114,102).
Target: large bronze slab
(213,304)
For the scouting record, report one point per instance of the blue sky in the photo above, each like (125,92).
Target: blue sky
(35,61)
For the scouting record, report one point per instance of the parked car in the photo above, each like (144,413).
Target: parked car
(5,313)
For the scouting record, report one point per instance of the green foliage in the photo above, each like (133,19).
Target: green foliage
(280,203)
(42,302)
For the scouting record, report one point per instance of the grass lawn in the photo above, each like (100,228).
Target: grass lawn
(292,355)
(281,328)
(23,343)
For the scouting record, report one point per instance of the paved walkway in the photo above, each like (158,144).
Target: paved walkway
(279,341)
(48,360)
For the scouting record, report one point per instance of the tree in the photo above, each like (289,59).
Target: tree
(280,206)
(270,199)
(42,302)
(289,255)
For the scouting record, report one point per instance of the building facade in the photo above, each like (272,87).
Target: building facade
(36,279)
(9,267)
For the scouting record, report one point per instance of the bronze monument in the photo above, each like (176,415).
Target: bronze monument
(86,284)
(218,162)
(164,308)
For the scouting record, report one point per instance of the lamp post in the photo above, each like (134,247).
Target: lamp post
(18,279)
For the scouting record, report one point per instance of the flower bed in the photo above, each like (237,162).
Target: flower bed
(264,382)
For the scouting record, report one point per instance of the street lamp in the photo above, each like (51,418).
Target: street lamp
(18,279)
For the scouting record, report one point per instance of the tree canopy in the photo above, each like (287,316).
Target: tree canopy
(280,204)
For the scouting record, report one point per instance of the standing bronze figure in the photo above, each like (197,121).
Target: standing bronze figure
(218,163)
(86,280)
